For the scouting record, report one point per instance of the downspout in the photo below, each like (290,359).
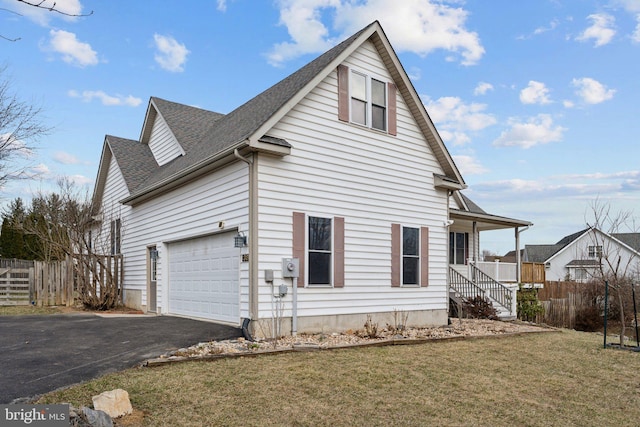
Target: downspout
(253,234)
(518,260)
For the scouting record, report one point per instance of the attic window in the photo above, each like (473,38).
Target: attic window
(366,100)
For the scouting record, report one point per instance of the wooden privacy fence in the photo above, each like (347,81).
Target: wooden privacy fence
(561,301)
(532,272)
(54,282)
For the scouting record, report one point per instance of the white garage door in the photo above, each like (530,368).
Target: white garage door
(204,278)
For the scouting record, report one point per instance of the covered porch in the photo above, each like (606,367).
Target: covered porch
(469,276)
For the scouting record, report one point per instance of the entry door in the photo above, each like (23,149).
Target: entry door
(152,296)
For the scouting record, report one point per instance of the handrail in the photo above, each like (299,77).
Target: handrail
(497,291)
(463,286)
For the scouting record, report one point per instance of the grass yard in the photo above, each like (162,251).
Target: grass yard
(21,310)
(550,379)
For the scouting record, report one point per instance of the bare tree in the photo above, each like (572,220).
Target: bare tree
(66,226)
(616,263)
(20,126)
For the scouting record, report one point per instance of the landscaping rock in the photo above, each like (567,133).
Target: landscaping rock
(97,418)
(116,403)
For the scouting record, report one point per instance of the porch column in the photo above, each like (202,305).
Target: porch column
(518,266)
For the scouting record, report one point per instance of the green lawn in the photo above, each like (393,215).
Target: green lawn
(550,379)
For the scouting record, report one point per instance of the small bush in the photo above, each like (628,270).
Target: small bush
(479,308)
(529,307)
(588,319)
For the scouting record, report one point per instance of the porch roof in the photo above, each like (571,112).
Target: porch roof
(485,221)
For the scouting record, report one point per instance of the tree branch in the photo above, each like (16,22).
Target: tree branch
(52,8)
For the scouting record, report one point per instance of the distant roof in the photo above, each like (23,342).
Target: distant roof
(571,237)
(629,239)
(540,253)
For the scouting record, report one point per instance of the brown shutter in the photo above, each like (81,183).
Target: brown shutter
(298,250)
(396,254)
(343,93)
(338,249)
(424,256)
(392,119)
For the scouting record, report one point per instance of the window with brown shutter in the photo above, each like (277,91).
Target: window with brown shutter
(318,242)
(409,256)
(366,100)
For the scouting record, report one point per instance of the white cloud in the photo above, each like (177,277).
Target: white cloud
(42,15)
(592,91)
(552,25)
(535,131)
(568,103)
(636,34)
(222,5)
(469,165)
(419,26)
(632,6)
(171,55)
(482,88)
(601,31)
(73,51)
(109,100)
(454,118)
(535,93)
(80,180)
(68,159)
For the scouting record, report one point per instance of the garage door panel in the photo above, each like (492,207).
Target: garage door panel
(204,278)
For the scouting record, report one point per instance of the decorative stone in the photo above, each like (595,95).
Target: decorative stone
(97,418)
(116,403)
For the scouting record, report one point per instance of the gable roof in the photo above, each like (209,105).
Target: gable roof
(207,140)
(630,239)
(542,253)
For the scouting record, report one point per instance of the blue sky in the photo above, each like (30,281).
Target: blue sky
(537,100)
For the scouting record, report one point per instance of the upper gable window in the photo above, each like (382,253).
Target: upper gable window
(366,100)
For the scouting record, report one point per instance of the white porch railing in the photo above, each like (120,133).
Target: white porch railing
(503,272)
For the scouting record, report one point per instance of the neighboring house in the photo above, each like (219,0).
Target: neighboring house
(338,166)
(578,256)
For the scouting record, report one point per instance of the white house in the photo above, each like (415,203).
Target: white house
(579,256)
(337,167)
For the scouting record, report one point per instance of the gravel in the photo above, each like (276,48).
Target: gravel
(458,328)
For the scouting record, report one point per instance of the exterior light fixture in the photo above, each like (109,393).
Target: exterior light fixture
(240,240)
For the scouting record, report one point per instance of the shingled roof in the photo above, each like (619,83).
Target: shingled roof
(208,140)
(205,135)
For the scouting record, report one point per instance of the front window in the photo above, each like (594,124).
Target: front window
(595,251)
(115,236)
(368,101)
(410,255)
(458,248)
(320,251)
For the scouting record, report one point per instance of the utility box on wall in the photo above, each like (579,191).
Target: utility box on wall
(290,267)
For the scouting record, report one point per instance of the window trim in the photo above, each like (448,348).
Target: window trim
(369,99)
(416,257)
(116,236)
(453,248)
(307,251)
(594,251)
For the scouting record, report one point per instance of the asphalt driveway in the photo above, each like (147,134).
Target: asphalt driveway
(39,354)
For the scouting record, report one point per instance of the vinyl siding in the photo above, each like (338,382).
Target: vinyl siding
(370,178)
(162,143)
(192,210)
